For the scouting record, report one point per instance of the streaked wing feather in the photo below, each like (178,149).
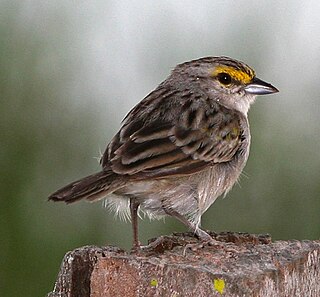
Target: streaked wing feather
(157,130)
(200,135)
(148,163)
(133,151)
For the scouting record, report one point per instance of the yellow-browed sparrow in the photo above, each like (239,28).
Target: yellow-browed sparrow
(180,148)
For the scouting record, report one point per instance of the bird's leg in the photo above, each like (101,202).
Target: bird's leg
(201,234)
(205,238)
(134,206)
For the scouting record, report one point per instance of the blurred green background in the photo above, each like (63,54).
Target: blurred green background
(71,70)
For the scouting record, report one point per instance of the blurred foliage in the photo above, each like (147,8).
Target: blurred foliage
(70,72)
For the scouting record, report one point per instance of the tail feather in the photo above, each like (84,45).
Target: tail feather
(93,187)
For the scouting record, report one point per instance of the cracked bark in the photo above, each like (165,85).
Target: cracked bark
(241,265)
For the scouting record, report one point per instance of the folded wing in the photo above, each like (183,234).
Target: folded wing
(201,134)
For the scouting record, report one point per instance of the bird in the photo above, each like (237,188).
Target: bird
(180,148)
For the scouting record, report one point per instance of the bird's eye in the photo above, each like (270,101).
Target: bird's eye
(224,78)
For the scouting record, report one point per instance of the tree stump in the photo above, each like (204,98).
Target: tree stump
(240,264)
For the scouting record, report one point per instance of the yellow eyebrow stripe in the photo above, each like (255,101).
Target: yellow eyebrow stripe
(236,74)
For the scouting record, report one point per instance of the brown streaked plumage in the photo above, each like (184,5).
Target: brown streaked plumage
(180,148)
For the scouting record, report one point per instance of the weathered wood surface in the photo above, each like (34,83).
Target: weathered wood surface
(241,265)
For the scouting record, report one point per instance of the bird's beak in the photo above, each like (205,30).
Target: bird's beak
(260,87)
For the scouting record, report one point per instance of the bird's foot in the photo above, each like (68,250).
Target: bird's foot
(136,247)
(200,245)
(205,240)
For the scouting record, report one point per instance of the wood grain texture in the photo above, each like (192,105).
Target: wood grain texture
(240,265)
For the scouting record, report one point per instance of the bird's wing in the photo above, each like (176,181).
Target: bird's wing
(199,135)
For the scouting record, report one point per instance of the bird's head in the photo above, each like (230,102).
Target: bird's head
(230,82)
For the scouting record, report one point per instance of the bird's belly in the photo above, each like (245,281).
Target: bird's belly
(158,195)
(214,182)
(190,196)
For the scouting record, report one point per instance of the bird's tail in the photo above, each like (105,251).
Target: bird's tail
(93,187)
